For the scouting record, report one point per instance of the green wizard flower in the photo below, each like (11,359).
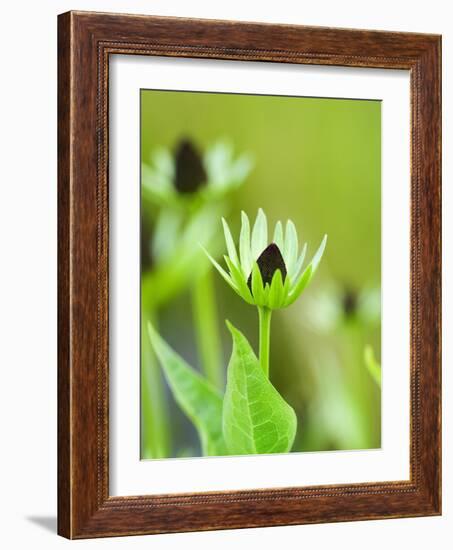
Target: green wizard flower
(268,275)
(185,175)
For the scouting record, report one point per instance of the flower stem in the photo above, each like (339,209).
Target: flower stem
(206,327)
(265,337)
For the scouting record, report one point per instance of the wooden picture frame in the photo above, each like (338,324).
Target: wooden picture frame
(85,42)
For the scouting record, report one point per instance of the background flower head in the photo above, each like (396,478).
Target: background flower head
(185,174)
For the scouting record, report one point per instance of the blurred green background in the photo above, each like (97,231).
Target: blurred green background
(316,161)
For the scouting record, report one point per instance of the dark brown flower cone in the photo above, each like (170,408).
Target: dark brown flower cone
(190,174)
(268,262)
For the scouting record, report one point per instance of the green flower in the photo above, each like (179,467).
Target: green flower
(268,275)
(185,175)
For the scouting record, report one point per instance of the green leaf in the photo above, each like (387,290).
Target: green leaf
(199,400)
(256,419)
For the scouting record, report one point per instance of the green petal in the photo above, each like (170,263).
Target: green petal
(307,274)
(266,293)
(257,286)
(276,290)
(230,243)
(299,263)
(244,245)
(286,291)
(317,257)
(300,286)
(259,234)
(164,162)
(240,169)
(291,246)
(278,235)
(240,282)
(221,270)
(155,187)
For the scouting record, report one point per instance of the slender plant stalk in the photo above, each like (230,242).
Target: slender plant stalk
(206,328)
(359,384)
(155,439)
(265,337)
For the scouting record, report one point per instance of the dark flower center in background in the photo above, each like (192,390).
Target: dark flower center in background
(268,262)
(190,174)
(350,300)
(145,249)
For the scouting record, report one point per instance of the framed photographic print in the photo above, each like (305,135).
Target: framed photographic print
(249,275)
